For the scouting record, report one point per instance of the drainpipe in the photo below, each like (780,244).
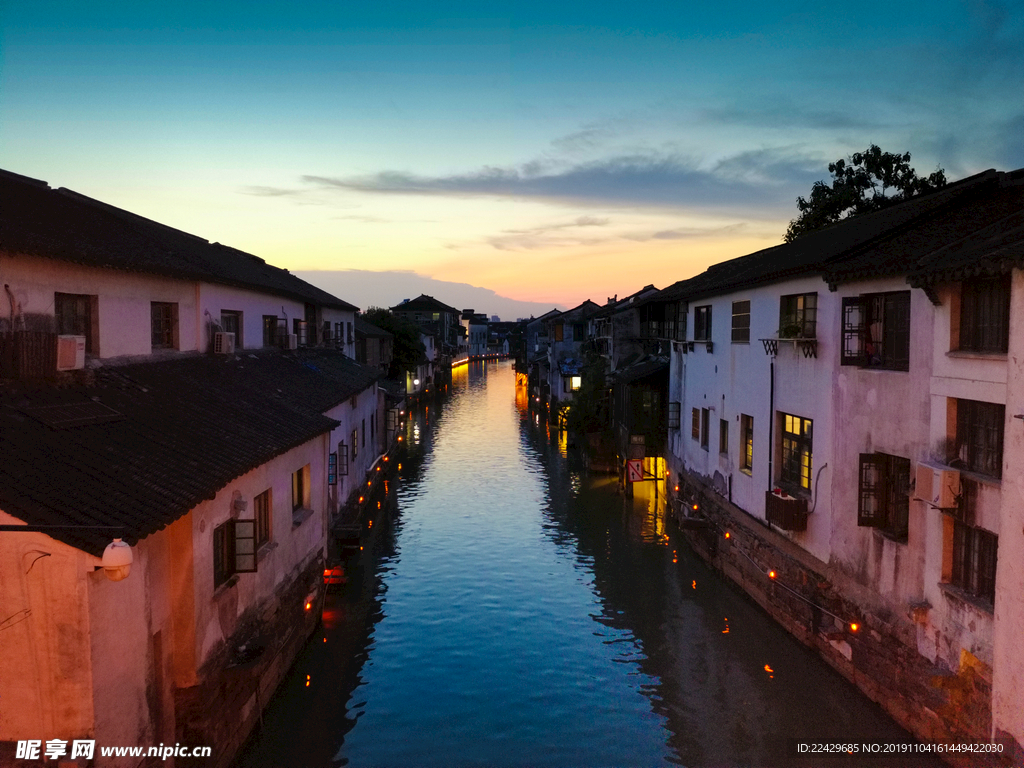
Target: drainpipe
(771,422)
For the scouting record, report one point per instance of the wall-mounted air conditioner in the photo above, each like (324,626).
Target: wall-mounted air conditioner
(223,343)
(291,341)
(70,352)
(937,486)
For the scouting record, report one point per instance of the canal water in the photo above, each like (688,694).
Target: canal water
(512,610)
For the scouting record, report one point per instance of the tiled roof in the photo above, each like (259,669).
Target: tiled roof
(424,303)
(61,224)
(828,248)
(187,428)
(947,238)
(632,301)
(646,366)
(369,329)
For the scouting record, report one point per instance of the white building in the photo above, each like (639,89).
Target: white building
(842,403)
(215,468)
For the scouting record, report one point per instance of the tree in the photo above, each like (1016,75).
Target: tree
(408,349)
(867,181)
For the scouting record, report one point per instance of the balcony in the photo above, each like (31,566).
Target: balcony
(787,512)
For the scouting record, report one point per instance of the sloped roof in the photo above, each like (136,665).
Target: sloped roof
(648,365)
(61,224)
(424,303)
(166,435)
(632,301)
(364,328)
(816,253)
(947,238)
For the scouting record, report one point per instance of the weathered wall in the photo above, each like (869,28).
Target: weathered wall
(46,678)
(880,658)
(1008,660)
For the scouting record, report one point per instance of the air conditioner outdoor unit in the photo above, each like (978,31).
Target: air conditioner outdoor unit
(223,343)
(937,487)
(70,352)
(292,341)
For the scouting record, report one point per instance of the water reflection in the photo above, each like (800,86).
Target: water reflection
(513,610)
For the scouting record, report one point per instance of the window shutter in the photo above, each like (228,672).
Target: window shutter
(871,495)
(243,533)
(342,459)
(854,327)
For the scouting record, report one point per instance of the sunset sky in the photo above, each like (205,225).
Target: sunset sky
(550,152)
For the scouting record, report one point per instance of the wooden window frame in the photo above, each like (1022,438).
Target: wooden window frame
(980,428)
(985,314)
(262,507)
(975,554)
(236,315)
(876,331)
(723,437)
(164,324)
(797,450)
(674,415)
(695,424)
(798,310)
(747,438)
(702,323)
(705,428)
(77,314)
(883,494)
(300,488)
(741,322)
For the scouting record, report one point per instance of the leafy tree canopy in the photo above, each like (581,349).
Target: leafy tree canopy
(866,181)
(408,349)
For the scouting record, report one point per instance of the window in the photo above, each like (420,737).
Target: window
(364,432)
(985,314)
(165,325)
(705,427)
(747,436)
(680,311)
(974,560)
(231,322)
(695,424)
(884,493)
(741,322)
(76,314)
(577,332)
(702,323)
(261,510)
(795,470)
(876,330)
(573,383)
(979,436)
(373,426)
(355,443)
(300,488)
(300,328)
(673,416)
(271,337)
(798,316)
(723,437)
(234,550)
(351,333)
(342,459)
(558,331)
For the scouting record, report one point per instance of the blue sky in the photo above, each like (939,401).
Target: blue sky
(547,151)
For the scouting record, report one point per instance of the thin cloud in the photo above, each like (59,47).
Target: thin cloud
(640,180)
